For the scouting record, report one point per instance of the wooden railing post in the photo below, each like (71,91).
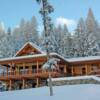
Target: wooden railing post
(37,66)
(23,86)
(11,69)
(7,70)
(37,82)
(10,85)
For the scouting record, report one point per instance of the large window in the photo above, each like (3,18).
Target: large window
(94,67)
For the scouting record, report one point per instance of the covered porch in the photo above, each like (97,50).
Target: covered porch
(26,71)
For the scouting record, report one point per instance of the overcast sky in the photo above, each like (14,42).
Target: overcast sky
(66,11)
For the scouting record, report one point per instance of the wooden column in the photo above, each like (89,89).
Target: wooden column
(37,82)
(10,85)
(23,85)
(7,70)
(23,68)
(30,68)
(10,69)
(37,66)
(86,69)
(72,70)
(65,69)
(17,70)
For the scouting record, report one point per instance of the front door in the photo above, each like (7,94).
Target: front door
(83,71)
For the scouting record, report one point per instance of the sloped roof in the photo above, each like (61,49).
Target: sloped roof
(33,45)
(30,56)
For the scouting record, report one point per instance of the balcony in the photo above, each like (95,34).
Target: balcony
(27,74)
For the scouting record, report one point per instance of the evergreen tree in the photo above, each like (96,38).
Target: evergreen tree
(90,22)
(7,45)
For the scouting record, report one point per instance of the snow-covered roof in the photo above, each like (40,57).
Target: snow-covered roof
(33,45)
(81,59)
(31,56)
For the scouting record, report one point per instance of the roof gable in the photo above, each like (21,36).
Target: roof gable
(29,49)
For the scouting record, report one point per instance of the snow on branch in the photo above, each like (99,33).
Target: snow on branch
(51,64)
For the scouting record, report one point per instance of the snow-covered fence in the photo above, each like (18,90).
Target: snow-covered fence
(76,80)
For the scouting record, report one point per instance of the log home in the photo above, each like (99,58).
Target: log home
(24,70)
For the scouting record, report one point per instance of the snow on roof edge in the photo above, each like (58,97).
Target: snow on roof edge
(29,56)
(79,59)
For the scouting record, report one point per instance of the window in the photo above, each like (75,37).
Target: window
(83,71)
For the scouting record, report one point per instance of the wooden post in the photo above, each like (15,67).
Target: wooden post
(65,69)
(17,70)
(37,67)
(30,69)
(86,69)
(23,86)
(10,85)
(72,70)
(10,69)
(37,82)
(23,68)
(7,70)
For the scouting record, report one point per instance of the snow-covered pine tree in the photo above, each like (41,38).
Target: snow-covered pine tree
(92,29)
(79,39)
(34,34)
(7,45)
(68,43)
(85,37)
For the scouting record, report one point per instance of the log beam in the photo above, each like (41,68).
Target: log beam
(23,85)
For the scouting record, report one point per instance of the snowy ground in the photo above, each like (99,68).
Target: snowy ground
(68,92)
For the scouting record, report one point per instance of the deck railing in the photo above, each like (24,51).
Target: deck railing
(26,72)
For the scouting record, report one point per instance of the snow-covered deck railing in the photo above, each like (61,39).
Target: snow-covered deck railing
(76,78)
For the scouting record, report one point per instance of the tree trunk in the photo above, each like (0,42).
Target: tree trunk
(50,85)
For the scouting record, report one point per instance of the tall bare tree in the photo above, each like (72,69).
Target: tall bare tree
(45,10)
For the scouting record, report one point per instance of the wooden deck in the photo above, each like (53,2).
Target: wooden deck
(27,74)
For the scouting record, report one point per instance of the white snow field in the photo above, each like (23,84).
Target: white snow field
(67,92)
